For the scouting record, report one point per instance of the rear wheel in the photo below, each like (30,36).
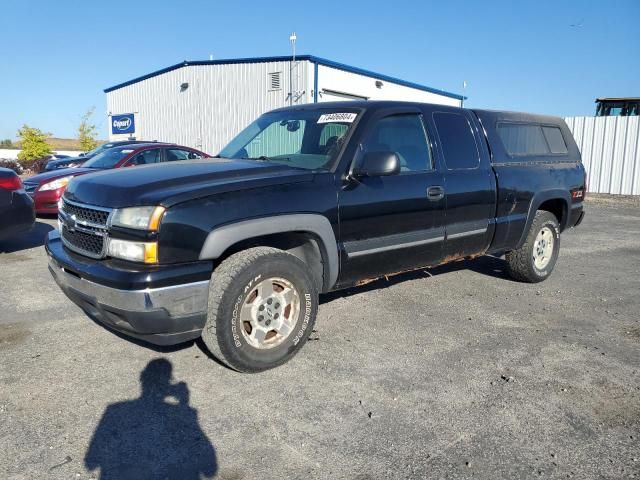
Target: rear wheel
(534,260)
(262,307)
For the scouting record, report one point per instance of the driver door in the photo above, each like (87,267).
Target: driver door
(393,223)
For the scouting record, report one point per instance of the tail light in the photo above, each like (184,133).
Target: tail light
(11,183)
(580,192)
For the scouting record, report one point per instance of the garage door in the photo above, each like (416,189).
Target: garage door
(326,95)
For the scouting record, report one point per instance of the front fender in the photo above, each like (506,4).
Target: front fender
(220,239)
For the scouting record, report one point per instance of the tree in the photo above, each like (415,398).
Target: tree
(6,143)
(87,132)
(33,143)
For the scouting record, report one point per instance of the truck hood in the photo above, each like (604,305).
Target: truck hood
(175,182)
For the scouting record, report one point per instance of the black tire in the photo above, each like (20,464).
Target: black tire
(231,285)
(520,262)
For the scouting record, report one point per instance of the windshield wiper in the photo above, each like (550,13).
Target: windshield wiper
(264,158)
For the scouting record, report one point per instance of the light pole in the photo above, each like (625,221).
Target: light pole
(292,39)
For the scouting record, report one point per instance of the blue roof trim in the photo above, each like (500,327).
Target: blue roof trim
(310,58)
(380,76)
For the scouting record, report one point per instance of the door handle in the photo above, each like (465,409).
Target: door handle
(435,193)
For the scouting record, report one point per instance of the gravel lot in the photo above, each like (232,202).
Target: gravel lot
(455,372)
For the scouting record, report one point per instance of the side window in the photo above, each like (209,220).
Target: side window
(176,154)
(520,139)
(457,140)
(146,157)
(406,137)
(555,140)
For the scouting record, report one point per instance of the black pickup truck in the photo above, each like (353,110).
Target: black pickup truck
(306,200)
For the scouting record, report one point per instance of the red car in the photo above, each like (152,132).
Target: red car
(47,188)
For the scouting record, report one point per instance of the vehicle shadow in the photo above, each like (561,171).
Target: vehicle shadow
(24,241)
(157,435)
(487,265)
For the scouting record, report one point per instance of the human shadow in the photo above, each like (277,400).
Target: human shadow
(156,436)
(26,240)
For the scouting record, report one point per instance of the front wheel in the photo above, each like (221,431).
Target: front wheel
(262,308)
(534,261)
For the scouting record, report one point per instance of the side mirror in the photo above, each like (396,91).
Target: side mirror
(378,164)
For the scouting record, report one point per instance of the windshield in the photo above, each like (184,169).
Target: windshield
(310,139)
(98,149)
(108,158)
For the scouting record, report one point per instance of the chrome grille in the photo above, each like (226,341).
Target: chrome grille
(84,228)
(85,213)
(86,243)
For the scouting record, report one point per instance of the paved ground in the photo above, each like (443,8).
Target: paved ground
(453,373)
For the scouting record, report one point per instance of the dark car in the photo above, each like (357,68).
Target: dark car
(46,188)
(65,161)
(306,200)
(17,214)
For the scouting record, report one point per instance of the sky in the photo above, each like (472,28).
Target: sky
(540,56)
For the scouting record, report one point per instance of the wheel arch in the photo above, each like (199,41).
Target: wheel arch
(309,237)
(553,201)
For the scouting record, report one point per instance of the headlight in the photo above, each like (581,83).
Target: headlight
(56,184)
(145,252)
(140,218)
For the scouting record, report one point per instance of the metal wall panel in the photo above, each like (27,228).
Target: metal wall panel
(221,99)
(219,102)
(610,148)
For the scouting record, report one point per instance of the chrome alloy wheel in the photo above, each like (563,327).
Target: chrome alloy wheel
(543,248)
(269,313)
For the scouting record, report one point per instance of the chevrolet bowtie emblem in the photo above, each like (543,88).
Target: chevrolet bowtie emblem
(71,223)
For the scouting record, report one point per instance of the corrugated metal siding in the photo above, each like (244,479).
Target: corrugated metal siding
(224,98)
(610,148)
(220,101)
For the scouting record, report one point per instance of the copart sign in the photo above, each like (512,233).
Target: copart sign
(124,123)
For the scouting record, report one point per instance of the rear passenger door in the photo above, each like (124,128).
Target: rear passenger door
(393,223)
(469,183)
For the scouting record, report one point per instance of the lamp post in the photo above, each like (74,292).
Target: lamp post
(292,39)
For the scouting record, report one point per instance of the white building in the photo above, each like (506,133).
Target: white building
(203,104)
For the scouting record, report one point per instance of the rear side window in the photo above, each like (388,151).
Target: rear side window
(176,154)
(555,140)
(457,140)
(520,139)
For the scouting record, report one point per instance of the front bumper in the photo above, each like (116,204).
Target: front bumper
(162,315)
(47,202)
